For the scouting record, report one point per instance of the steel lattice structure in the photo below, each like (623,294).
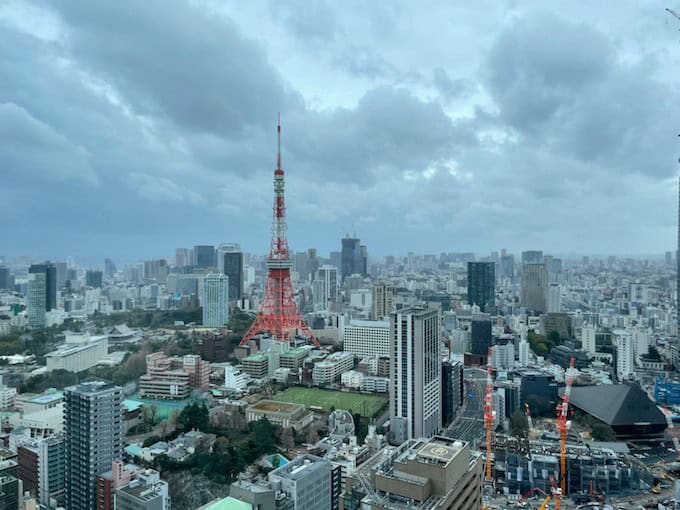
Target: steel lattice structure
(279,314)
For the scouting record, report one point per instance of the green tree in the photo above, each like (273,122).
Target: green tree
(194,416)
(519,425)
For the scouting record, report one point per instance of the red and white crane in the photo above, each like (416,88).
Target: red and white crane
(563,425)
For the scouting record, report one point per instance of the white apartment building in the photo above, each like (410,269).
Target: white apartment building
(352,379)
(625,354)
(640,338)
(367,338)
(588,332)
(328,370)
(234,379)
(78,353)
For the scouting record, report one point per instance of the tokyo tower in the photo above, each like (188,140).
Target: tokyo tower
(279,314)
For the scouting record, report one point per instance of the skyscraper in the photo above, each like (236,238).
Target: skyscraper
(534,287)
(230,259)
(507,267)
(93,279)
(93,420)
(532,257)
(50,272)
(481,289)
(183,257)
(383,300)
(215,300)
(4,277)
(415,374)
(204,256)
(329,276)
(37,296)
(350,257)
(109,268)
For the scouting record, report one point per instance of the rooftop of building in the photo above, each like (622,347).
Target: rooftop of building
(227,503)
(272,406)
(142,491)
(300,467)
(258,357)
(91,387)
(359,323)
(295,352)
(438,449)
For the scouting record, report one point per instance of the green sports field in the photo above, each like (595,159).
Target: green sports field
(366,405)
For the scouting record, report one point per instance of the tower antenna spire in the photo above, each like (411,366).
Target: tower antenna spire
(278,149)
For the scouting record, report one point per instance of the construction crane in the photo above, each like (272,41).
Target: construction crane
(488,424)
(556,492)
(673,13)
(527,413)
(544,505)
(563,425)
(489,419)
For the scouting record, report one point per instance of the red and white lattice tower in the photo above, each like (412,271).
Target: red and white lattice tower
(279,314)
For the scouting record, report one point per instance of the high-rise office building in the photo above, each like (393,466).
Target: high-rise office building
(51,469)
(109,268)
(93,420)
(350,257)
(532,257)
(230,258)
(383,300)
(554,298)
(183,257)
(336,259)
(204,256)
(507,267)
(93,279)
(156,269)
(300,266)
(452,390)
(9,492)
(480,336)
(4,278)
(363,260)
(215,300)
(329,276)
(534,287)
(61,269)
(36,299)
(50,272)
(415,374)
(313,262)
(481,289)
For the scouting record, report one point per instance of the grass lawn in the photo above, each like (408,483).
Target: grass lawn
(366,405)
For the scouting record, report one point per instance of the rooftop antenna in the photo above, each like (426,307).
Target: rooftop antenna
(278,135)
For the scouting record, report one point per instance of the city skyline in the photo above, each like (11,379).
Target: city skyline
(406,142)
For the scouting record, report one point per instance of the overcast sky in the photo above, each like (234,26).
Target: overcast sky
(130,128)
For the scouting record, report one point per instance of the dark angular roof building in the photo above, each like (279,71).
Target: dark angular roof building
(626,408)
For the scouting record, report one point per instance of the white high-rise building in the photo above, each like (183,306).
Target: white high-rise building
(625,354)
(588,332)
(503,355)
(554,298)
(215,300)
(640,341)
(36,302)
(367,338)
(415,374)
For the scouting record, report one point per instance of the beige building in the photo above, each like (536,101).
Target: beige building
(434,474)
(285,414)
(173,377)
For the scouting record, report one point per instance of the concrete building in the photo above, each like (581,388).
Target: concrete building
(625,354)
(8,396)
(452,390)
(78,353)
(284,414)
(230,261)
(383,301)
(173,377)
(94,438)
(330,369)
(367,338)
(147,492)
(415,373)
(110,481)
(554,298)
(481,287)
(306,480)
(352,379)
(293,358)
(204,256)
(327,276)
(425,474)
(588,332)
(215,300)
(256,366)
(9,492)
(234,379)
(93,279)
(351,258)
(503,354)
(534,287)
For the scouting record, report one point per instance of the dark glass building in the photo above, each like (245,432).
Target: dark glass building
(480,337)
(353,257)
(93,279)
(452,390)
(4,278)
(204,256)
(233,268)
(481,288)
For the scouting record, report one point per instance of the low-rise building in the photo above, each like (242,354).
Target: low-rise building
(328,370)
(78,353)
(285,414)
(256,366)
(235,379)
(173,377)
(375,384)
(352,379)
(147,492)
